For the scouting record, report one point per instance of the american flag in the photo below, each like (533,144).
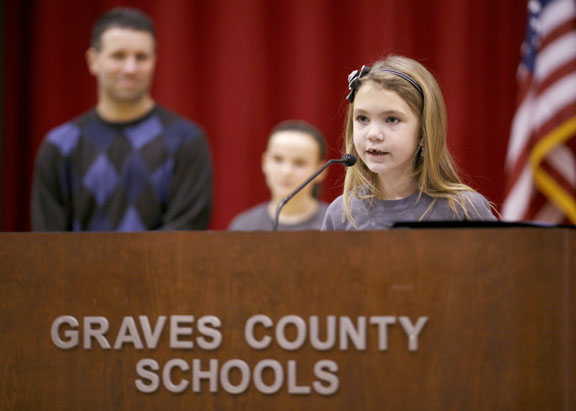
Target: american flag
(541,159)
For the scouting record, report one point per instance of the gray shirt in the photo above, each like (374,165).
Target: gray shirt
(257,219)
(380,214)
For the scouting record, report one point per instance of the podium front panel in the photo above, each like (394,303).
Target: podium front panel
(469,319)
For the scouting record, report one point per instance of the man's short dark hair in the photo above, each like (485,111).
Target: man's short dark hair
(123,17)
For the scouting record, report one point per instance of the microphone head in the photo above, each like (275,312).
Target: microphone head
(349,160)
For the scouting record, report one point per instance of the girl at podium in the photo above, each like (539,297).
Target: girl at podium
(396,126)
(295,150)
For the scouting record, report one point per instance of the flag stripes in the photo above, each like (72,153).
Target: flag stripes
(541,158)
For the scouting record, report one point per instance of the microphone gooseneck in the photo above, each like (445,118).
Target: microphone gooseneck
(347,159)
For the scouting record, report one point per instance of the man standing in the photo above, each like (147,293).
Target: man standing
(128,164)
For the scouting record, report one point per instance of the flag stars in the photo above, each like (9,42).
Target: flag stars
(534,6)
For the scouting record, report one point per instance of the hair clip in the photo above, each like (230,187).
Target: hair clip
(355,76)
(354,81)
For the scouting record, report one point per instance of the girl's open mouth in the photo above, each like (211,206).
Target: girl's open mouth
(375,152)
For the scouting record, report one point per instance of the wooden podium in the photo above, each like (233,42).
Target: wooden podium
(434,319)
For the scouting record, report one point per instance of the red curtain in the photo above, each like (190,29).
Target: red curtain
(239,67)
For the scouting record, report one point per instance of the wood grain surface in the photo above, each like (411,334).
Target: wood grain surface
(500,304)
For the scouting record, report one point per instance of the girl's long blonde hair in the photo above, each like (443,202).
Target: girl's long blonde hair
(434,171)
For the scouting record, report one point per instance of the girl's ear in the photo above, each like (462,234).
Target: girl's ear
(322,175)
(421,144)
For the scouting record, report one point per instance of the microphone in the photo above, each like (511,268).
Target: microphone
(347,159)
